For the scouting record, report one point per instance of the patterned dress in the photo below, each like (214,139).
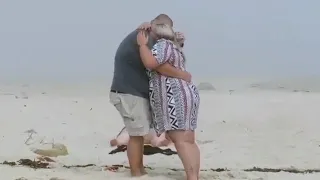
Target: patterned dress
(174,102)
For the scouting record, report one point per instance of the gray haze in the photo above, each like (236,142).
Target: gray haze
(77,39)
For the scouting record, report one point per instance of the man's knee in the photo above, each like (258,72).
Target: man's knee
(136,139)
(138,131)
(136,142)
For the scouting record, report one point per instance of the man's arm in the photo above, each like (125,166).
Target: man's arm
(170,71)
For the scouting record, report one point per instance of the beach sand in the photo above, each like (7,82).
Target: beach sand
(265,129)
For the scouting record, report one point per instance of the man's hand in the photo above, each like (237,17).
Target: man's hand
(180,38)
(186,76)
(145,26)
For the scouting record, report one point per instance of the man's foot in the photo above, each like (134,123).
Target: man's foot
(143,171)
(138,173)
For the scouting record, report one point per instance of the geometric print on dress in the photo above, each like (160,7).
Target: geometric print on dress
(171,106)
(174,102)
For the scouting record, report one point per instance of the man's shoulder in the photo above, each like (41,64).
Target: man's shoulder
(127,45)
(130,38)
(128,42)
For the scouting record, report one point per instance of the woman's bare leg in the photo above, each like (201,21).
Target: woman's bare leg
(188,152)
(196,152)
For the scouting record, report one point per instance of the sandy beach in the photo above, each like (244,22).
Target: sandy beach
(237,132)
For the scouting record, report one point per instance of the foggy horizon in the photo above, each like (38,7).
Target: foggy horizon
(77,39)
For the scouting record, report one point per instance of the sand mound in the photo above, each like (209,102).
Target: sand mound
(55,151)
(206,87)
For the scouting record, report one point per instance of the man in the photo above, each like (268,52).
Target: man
(130,93)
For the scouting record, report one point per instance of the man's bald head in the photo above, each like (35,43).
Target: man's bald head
(162,19)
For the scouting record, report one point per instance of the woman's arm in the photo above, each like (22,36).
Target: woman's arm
(157,59)
(147,58)
(160,54)
(170,71)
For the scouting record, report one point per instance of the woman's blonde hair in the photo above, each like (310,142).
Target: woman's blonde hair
(164,31)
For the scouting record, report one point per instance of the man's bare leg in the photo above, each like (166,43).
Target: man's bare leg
(135,155)
(188,152)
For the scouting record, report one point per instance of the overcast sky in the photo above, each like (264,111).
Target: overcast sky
(77,39)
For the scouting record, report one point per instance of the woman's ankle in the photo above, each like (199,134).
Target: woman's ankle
(192,177)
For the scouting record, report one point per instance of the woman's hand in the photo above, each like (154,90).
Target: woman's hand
(186,76)
(180,36)
(145,26)
(142,38)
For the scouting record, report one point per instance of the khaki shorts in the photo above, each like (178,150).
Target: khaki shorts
(135,112)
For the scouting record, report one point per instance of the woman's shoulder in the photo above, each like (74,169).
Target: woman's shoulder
(161,44)
(164,43)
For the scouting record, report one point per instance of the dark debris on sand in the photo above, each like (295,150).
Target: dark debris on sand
(254,169)
(205,170)
(44,163)
(267,170)
(148,150)
(288,170)
(29,163)
(79,166)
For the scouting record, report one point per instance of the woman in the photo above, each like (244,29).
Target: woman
(174,102)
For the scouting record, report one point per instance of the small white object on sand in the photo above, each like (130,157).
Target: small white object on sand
(55,151)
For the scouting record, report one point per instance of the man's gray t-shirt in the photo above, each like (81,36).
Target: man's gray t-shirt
(130,75)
